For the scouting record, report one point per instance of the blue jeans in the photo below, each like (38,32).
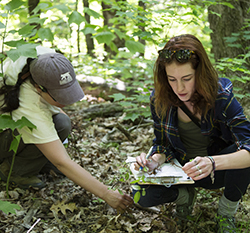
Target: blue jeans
(235,182)
(29,159)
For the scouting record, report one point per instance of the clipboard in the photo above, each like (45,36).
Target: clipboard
(167,174)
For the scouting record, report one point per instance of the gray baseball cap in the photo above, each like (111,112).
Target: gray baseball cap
(55,72)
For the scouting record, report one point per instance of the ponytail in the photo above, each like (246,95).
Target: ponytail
(11,93)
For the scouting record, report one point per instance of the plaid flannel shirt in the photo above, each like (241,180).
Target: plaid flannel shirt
(225,121)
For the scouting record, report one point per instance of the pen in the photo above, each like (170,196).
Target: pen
(147,156)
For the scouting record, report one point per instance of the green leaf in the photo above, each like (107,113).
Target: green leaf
(13,54)
(146,112)
(8,207)
(24,122)
(228,4)
(231,39)
(40,6)
(137,196)
(36,20)
(120,34)
(15,143)
(27,30)
(240,96)
(215,13)
(26,50)
(89,30)
(2,25)
(128,104)
(62,7)
(142,98)
(247,55)
(118,96)
(113,47)
(14,4)
(120,191)
(45,33)
(134,46)
(2,56)
(15,43)
(7,122)
(134,182)
(105,37)
(76,17)
(143,192)
(136,187)
(131,116)
(92,13)
(235,45)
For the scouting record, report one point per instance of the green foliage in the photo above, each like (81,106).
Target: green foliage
(139,192)
(8,207)
(28,50)
(134,46)
(76,17)
(56,24)
(237,68)
(45,33)
(105,37)
(6,120)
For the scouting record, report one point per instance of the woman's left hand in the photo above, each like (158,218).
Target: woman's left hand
(198,168)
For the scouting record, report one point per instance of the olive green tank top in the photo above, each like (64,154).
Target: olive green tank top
(195,143)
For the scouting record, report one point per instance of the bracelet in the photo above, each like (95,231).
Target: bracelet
(213,163)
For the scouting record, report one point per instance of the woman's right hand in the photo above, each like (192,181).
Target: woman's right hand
(118,201)
(150,163)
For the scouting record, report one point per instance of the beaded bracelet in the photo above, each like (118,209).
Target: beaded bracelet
(213,163)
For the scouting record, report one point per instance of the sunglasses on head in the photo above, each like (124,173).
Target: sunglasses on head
(181,55)
(46,91)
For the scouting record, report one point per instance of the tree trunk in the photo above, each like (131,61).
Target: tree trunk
(32,5)
(108,15)
(88,37)
(78,30)
(142,4)
(230,21)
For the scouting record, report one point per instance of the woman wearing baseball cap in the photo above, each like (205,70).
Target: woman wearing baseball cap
(37,89)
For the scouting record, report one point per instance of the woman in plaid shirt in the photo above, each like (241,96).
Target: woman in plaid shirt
(214,151)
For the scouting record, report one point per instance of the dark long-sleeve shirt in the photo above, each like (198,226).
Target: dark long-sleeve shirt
(225,121)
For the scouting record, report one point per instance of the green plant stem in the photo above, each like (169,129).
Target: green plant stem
(8,179)
(11,168)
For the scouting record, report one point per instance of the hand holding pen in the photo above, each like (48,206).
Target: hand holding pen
(145,162)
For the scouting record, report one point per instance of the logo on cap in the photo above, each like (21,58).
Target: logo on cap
(65,78)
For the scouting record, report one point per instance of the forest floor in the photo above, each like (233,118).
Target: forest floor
(101,148)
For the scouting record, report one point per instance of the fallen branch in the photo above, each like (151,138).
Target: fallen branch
(125,132)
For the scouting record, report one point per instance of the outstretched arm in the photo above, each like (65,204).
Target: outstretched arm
(56,153)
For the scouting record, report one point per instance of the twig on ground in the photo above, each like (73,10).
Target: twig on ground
(37,221)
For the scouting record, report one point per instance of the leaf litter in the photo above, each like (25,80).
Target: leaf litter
(101,147)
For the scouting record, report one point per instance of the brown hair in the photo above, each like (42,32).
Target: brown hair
(206,78)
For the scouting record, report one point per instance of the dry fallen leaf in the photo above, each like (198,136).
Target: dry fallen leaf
(61,206)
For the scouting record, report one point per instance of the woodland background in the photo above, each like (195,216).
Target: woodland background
(113,45)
